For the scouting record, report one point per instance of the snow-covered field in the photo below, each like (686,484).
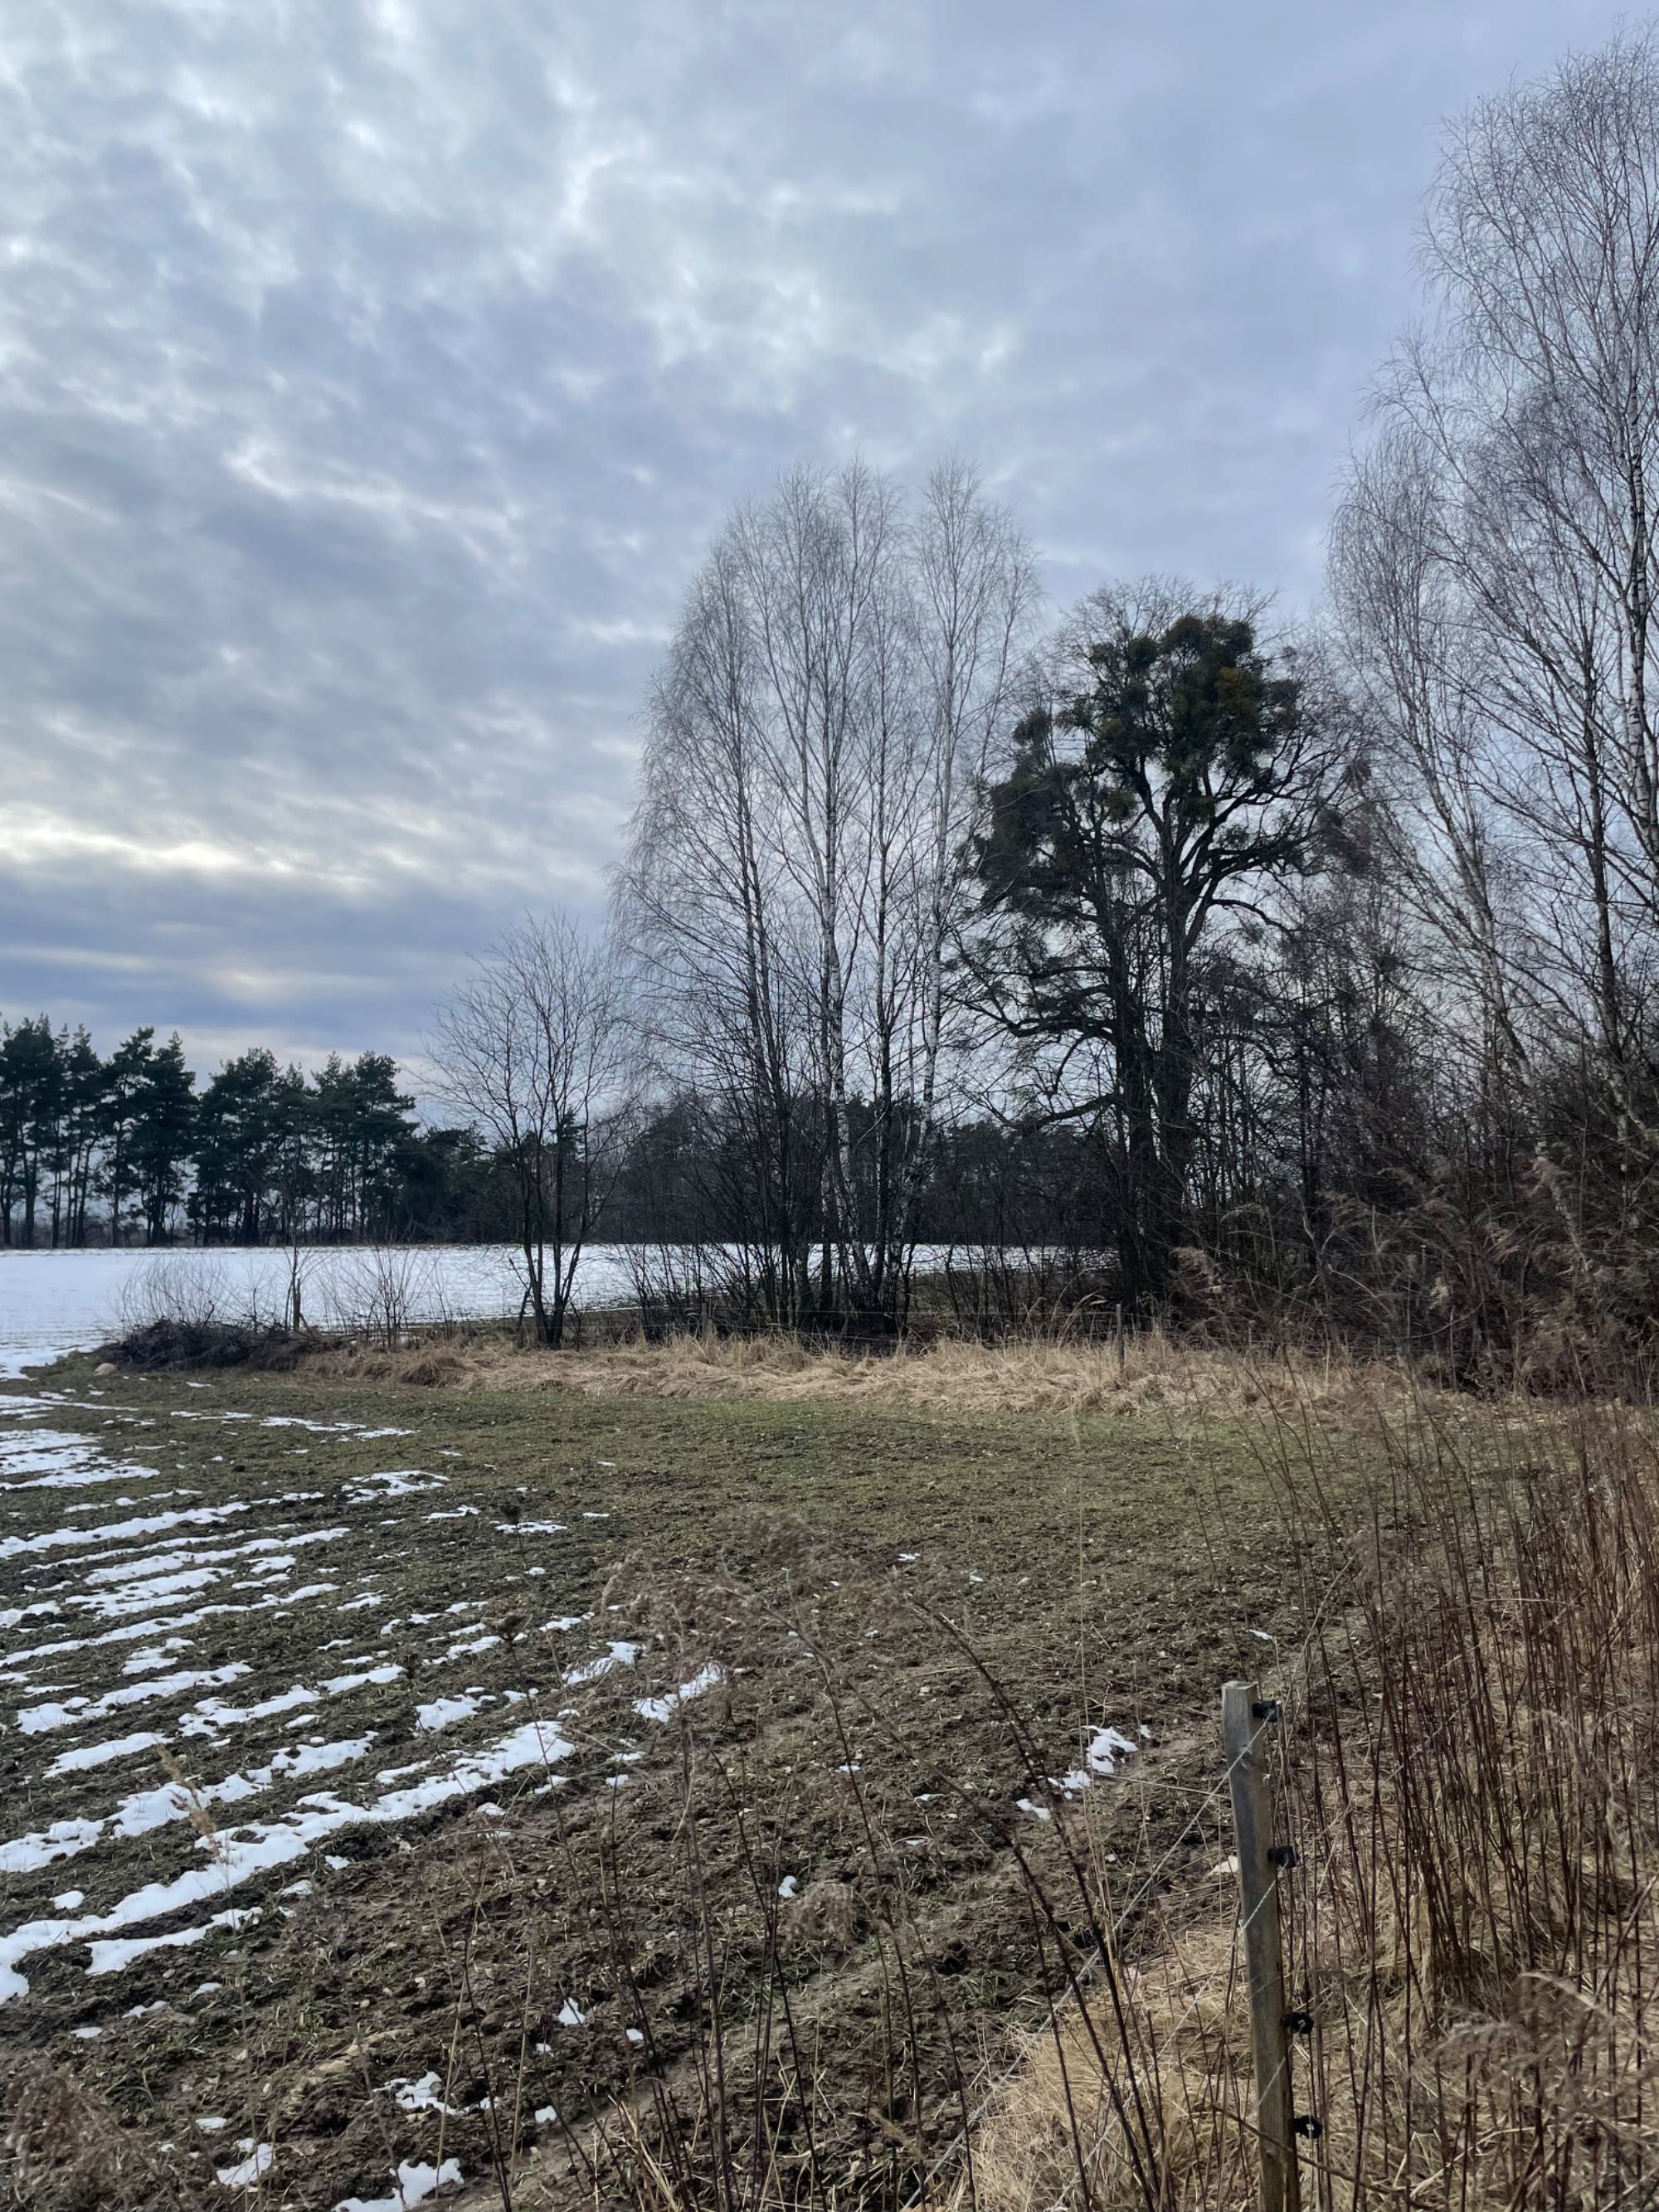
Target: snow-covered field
(56,1302)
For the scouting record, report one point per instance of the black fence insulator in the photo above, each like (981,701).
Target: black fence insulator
(1265,1708)
(1282,1855)
(1305,2123)
(1299,2023)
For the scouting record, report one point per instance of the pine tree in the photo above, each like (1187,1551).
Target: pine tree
(242,1124)
(163,1125)
(124,1084)
(31,1104)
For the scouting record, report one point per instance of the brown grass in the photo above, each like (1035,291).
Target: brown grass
(62,2146)
(1156,1373)
(1466,1770)
(1055,2114)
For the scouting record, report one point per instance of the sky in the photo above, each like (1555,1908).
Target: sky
(374,373)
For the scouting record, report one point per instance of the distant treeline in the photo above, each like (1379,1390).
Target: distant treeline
(134,1149)
(127,1150)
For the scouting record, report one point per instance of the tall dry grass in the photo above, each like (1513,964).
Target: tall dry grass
(1155,1371)
(1469,1770)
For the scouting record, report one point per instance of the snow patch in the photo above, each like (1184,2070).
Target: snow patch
(664,1708)
(619,1654)
(100,1754)
(253,2168)
(411,2185)
(38,1720)
(425,2096)
(393,1482)
(443,1712)
(241,1854)
(111,1957)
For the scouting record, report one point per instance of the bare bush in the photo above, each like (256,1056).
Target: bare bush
(379,1292)
(189,1289)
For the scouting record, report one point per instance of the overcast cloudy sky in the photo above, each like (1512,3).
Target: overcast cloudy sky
(373,371)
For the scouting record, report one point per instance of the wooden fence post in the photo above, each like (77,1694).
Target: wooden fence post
(1243,1725)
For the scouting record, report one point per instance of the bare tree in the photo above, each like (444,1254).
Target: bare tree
(798,856)
(1418,671)
(703,900)
(819,564)
(535,1049)
(1495,567)
(974,593)
(1542,392)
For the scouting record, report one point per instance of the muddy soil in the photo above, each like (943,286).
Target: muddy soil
(410,1791)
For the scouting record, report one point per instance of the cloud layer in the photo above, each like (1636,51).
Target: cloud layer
(372,373)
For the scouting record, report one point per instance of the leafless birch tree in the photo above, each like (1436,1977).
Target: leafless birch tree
(797,860)
(1495,570)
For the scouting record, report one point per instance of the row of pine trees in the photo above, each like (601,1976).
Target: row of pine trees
(127,1149)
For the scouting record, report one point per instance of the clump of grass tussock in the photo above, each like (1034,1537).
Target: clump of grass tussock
(63,2148)
(1156,1372)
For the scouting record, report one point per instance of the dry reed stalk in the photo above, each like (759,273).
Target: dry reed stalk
(1469,1779)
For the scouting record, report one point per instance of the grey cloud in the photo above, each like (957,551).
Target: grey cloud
(372,371)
